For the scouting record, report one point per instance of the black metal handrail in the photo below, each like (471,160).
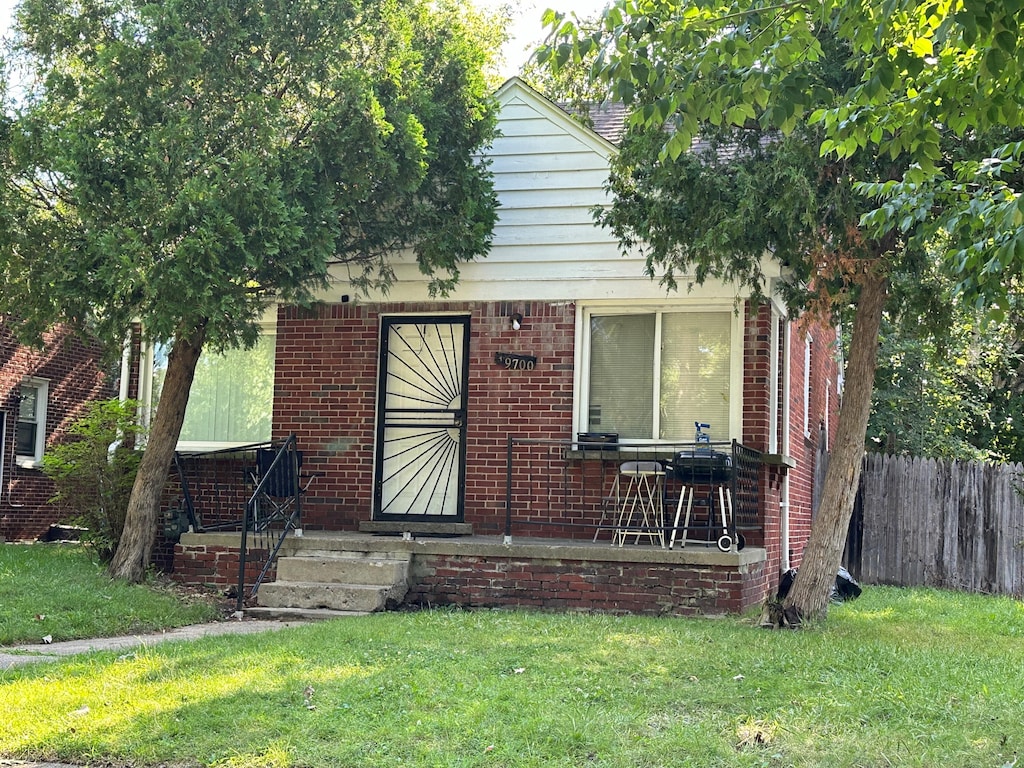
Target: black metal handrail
(275,501)
(566,486)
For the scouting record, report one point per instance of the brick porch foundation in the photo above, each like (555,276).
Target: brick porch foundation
(482,572)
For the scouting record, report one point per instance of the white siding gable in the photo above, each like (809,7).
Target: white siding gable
(549,174)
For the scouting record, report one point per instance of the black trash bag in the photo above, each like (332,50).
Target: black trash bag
(786,584)
(845,587)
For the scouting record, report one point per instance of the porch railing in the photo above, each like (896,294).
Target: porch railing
(571,489)
(273,511)
(255,489)
(208,490)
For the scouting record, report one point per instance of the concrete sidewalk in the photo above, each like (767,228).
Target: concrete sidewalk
(19,655)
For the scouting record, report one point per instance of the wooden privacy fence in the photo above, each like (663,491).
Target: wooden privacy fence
(923,522)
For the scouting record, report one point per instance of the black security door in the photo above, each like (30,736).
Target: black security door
(421,419)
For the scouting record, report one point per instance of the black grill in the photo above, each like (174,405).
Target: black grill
(697,465)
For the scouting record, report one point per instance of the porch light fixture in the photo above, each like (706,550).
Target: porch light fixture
(517,320)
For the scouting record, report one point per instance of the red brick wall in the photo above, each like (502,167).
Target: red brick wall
(72,367)
(488,582)
(325,392)
(823,399)
(807,433)
(326,382)
(757,359)
(217,566)
(603,587)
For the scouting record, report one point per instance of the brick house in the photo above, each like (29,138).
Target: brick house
(41,391)
(455,421)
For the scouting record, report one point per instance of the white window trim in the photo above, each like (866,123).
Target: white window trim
(808,346)
(774,393)
(42,387)
(145,394)
(581,362)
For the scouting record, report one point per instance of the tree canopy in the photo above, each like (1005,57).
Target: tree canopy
(919,73)
(949,392)
(186,164)
(189,162)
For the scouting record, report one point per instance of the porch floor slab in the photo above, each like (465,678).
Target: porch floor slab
(312,542)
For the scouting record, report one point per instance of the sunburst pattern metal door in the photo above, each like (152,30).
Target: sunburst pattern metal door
(421,424)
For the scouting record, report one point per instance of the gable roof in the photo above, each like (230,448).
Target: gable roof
(516,89)
(608,120)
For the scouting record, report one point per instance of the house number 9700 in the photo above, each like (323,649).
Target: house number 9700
(515,362)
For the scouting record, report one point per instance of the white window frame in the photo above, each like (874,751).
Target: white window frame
(774,390)
(42,387)
(145,395)
(581,374)
(808,352)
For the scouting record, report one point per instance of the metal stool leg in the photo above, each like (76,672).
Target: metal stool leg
(687,493)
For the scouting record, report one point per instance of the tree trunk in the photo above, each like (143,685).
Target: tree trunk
(808,599)
(133,552)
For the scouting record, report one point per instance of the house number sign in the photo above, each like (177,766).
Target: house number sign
(515,362)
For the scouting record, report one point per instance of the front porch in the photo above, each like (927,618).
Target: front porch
(491,572)
(674,529)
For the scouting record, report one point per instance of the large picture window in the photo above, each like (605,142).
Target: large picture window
(232,397)
(650,376)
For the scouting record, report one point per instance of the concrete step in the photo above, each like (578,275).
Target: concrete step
(300,614)
(332,596)
(343,570)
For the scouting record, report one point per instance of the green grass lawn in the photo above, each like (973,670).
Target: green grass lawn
(61,591)
(896,678)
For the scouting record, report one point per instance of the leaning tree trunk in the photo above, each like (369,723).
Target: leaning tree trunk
(133,552)
(808,599)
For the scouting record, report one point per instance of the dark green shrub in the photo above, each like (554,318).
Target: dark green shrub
(94,470)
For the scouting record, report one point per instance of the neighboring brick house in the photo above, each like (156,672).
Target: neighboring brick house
(41,392)
(405,404)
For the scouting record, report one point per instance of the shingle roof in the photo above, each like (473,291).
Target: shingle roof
(609,120)
(606,119)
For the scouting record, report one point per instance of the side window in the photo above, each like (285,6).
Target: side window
(232,397)
(30,430)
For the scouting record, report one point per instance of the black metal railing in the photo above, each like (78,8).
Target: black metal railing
(571,488)
(272,512)
(208,490)
(254,489)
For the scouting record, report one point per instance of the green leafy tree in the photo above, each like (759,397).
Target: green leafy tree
(949,392)
(570,84)
(922,404)
(94,470)
(875,92)
(188,163)
(1000,432)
